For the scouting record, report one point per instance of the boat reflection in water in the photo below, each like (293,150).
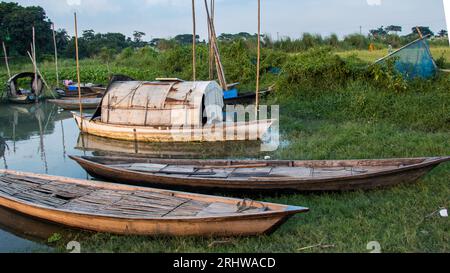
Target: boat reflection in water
(103,146)
(28,228)
(3,147)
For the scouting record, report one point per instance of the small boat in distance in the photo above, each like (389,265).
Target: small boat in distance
(24,88)
(87,91)
(257,175)
(167,110)
(74,104)
(127,210)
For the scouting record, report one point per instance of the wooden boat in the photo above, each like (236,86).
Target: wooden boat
(119,209)
(215,133)
(74,104)
(87,91)
(304,176)
(167,111)
(30,94)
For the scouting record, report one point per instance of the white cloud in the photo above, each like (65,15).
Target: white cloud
(374,2)
(167,2)
(74,2)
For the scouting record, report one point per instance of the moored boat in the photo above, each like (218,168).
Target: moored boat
(167,111)
(19,94)
(119,209)
(256,175)
(74,104)
(87,91)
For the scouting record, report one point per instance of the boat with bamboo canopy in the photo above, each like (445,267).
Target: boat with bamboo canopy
(24,88)
(168,110)
(128,210)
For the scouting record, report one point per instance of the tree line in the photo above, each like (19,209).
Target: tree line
(16,27)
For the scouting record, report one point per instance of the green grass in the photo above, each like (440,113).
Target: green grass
(371,57)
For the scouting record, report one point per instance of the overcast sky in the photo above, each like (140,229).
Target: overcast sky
(166,18)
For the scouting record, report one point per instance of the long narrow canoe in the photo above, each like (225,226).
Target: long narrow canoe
(304,176)
(120,209)
(74,104)
(239,131)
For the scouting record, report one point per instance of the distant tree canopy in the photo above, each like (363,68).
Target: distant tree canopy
(16,24)
(379,32)
(185,39)
(232,37)
(443,33)
(424,30)
(393,28)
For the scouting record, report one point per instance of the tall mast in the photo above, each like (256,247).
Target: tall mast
(78,69)
(219,66)
(56,55)
(194,43)
(6,59)
(259,59)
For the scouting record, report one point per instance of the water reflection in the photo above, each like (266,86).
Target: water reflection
(109,147)
(3,147)
(25,233)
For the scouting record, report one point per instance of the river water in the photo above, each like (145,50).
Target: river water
(39,138)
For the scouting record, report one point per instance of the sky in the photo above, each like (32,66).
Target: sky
(280,18)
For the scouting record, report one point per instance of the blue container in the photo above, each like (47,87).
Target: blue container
(230,94)
(73,88)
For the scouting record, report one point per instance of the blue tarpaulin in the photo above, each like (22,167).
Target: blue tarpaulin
(414,60)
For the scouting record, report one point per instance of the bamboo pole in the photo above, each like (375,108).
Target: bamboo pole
(35,64)
(40,74)
(420,32)
(211,49)
(194,43)
(219,66)
(56,56)
(78,69)
(6,60)
(259,59)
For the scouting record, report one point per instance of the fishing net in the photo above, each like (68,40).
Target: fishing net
(414,60)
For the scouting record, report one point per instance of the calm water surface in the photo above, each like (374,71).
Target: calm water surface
(39,138)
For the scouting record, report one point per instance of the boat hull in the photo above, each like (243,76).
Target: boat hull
(382,179)
(243,131)
(25,99)
(74,104)
(240,225)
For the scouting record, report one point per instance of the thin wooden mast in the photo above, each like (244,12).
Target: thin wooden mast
(6,60)
(219,66)
(194,43)
(56,55)
(211,49)
(33,48)
(78,69)
(259,60)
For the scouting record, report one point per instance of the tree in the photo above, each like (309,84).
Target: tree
(443,33)
(137,35)
(16,24)
(379,32)
(424,30)
(62,40)
(88,35)
(185,39)
(393,28)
